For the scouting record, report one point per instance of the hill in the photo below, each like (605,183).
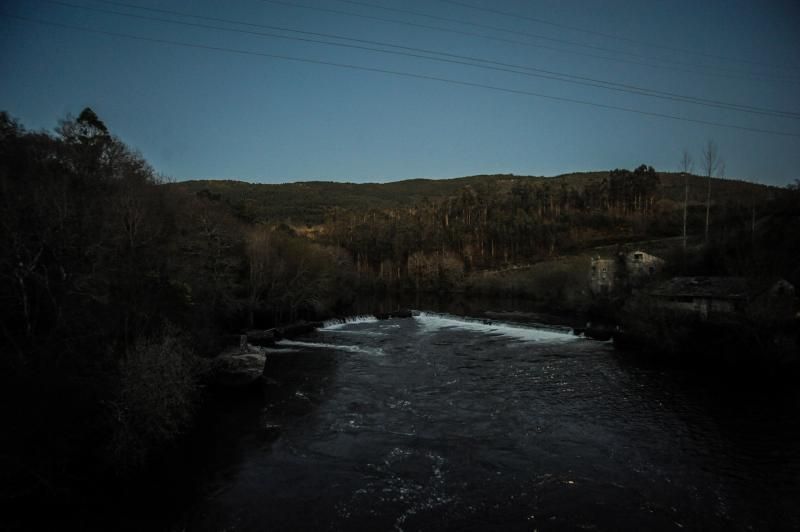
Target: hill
(308,203)
(425,234)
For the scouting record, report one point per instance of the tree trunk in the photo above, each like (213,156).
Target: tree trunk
(708,206)
(685,208)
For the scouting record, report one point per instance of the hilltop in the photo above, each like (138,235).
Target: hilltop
(308,203)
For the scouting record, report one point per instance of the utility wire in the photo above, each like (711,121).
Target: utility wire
(518,16)
(706,71)
(458,59)
(551,74)
(528,34)
(399,73)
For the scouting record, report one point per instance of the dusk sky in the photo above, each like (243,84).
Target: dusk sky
(200,101)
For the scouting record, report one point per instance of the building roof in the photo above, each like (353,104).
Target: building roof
(713,287)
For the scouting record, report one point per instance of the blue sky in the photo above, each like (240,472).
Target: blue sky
(198,113)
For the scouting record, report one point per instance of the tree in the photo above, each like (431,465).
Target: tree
(86,357)
(711,164)
(87,142)
(687,165)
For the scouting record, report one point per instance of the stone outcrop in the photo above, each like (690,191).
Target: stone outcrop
(238,367)
(242,364)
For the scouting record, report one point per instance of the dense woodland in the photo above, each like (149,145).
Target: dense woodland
(464,226)
(117,286)
(115,289)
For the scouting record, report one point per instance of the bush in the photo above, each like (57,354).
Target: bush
(156,397)
(560,283)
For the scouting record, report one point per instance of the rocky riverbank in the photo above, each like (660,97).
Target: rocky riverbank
(242,364)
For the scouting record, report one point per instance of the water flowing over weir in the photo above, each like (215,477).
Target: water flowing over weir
(440,422)
(433,322)
(338,324)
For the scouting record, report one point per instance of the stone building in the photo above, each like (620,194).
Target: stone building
(625,270)
(601,281)
(725,297)
(641,265)
(705,297)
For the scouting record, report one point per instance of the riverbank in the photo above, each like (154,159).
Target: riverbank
(441,422)
(217,466)
(755,329)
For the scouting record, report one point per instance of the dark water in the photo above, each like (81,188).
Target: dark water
(442,423)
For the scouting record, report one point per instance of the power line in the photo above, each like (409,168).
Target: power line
(488,27)
(706,71)
(399,73)
(461,60)
(518,16)
(526,34)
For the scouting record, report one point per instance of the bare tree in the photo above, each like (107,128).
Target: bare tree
(711,165)
(687,165)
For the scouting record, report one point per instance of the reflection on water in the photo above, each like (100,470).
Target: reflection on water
(444,423)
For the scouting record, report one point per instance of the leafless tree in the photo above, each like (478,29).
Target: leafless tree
(711,165)
(687,165)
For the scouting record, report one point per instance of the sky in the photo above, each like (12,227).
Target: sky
(239,89)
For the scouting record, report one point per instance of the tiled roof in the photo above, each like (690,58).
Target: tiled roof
(715,287)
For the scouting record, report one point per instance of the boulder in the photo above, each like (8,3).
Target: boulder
(235,368)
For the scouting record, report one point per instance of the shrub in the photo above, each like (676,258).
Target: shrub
(155,400)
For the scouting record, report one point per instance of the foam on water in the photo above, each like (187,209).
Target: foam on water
(351,320)
(320,345)
(431,322)
(361,332)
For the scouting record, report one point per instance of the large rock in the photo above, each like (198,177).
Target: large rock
(237,368)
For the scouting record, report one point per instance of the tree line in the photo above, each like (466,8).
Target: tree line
(491,225)
(114,291)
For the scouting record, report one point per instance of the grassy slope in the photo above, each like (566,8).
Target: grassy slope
(307,202)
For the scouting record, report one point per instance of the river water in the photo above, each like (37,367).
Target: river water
(440,422)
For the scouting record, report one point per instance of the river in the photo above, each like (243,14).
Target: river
(441,422)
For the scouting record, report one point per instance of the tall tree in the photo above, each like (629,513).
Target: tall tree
(687,165)
(711,164)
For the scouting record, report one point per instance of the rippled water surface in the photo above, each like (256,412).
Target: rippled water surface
(445,423)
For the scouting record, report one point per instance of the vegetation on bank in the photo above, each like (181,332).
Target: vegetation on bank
(118,286)
(114,291)
(761,335)
(441,235)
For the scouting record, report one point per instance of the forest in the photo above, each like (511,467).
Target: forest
(118,286)
(435,235)
(115,291)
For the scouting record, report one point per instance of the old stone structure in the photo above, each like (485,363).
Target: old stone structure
(640,264)
(722,297)
(627,269)
(702,296)
(604,271)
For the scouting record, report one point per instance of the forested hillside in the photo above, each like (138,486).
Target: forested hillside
(430,233)
(309,202)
